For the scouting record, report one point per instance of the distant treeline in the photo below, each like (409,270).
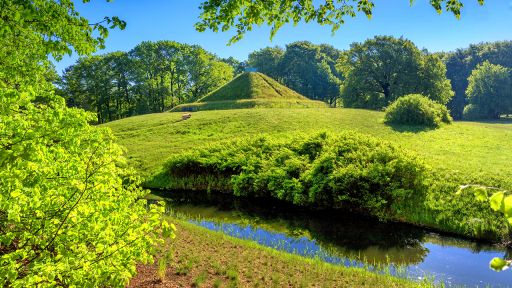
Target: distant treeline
(152,77)
(462,62)
(374,73)
(156,76)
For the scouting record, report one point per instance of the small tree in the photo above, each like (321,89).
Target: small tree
(489,92)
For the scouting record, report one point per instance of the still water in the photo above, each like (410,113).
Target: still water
(351,240)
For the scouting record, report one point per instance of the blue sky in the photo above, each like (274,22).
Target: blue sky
(152,20)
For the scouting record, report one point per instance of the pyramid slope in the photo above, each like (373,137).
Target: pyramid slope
(251,90)
(252,85)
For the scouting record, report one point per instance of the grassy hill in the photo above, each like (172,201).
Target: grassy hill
(458,154)
(470,151)
(251,90)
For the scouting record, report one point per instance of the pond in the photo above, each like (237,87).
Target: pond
(349,239)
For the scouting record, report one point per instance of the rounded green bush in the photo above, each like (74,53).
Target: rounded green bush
(318,170)
(416,109)
(473,112)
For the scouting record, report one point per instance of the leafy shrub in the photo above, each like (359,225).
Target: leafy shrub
(473,112)
(319,170)
(415,109)
(69,214)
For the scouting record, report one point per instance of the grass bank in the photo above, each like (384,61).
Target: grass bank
(203,258)
(458,154)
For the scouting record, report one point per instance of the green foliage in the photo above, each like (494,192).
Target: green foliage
(32,30)
(266,60)
(304,67)
(243,15)
(473,113)
(311,70)
(461,62)
(498,264)
(238,67)
(319,170)
(382,69)
(152,77)
(416,109)
(499,201)
(489,91)
(69,214)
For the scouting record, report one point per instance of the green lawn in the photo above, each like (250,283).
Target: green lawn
(468,152)
(458,154)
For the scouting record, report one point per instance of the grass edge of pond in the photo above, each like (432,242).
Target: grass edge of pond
(214,257)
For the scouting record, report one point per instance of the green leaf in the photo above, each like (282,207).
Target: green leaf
(507,206)
(497,201)
(498,264)
(481,194)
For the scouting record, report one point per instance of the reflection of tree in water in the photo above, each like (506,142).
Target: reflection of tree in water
(368,239)
(341,234)
(474,246)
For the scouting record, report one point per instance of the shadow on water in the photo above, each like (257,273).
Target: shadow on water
(344,238)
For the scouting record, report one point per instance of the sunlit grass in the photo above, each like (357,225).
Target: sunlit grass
(466,152)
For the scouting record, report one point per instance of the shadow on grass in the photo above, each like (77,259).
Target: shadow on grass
(410,128)
(502,120)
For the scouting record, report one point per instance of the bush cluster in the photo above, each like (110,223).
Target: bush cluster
(319,170)
(416,109)
(474,112)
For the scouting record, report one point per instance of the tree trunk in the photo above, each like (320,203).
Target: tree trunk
(387,93)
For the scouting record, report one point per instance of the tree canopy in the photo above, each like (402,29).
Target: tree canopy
(70,214)
(267,60)
(152,77)
(489,92)
(223,15)
(381,69)
(460,64)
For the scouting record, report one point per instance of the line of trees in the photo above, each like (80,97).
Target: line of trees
(462,62)
(374,73)
(152,77)
(156,76)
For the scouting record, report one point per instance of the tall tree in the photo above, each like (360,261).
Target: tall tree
(384,68)
(267,60)
(490,91)
(462,62)
(307,70)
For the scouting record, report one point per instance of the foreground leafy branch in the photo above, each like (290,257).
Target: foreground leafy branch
(499,201)
(70,213)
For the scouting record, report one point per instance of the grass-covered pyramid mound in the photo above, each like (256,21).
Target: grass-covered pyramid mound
(251,90)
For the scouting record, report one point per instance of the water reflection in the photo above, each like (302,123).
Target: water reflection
(349,239)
